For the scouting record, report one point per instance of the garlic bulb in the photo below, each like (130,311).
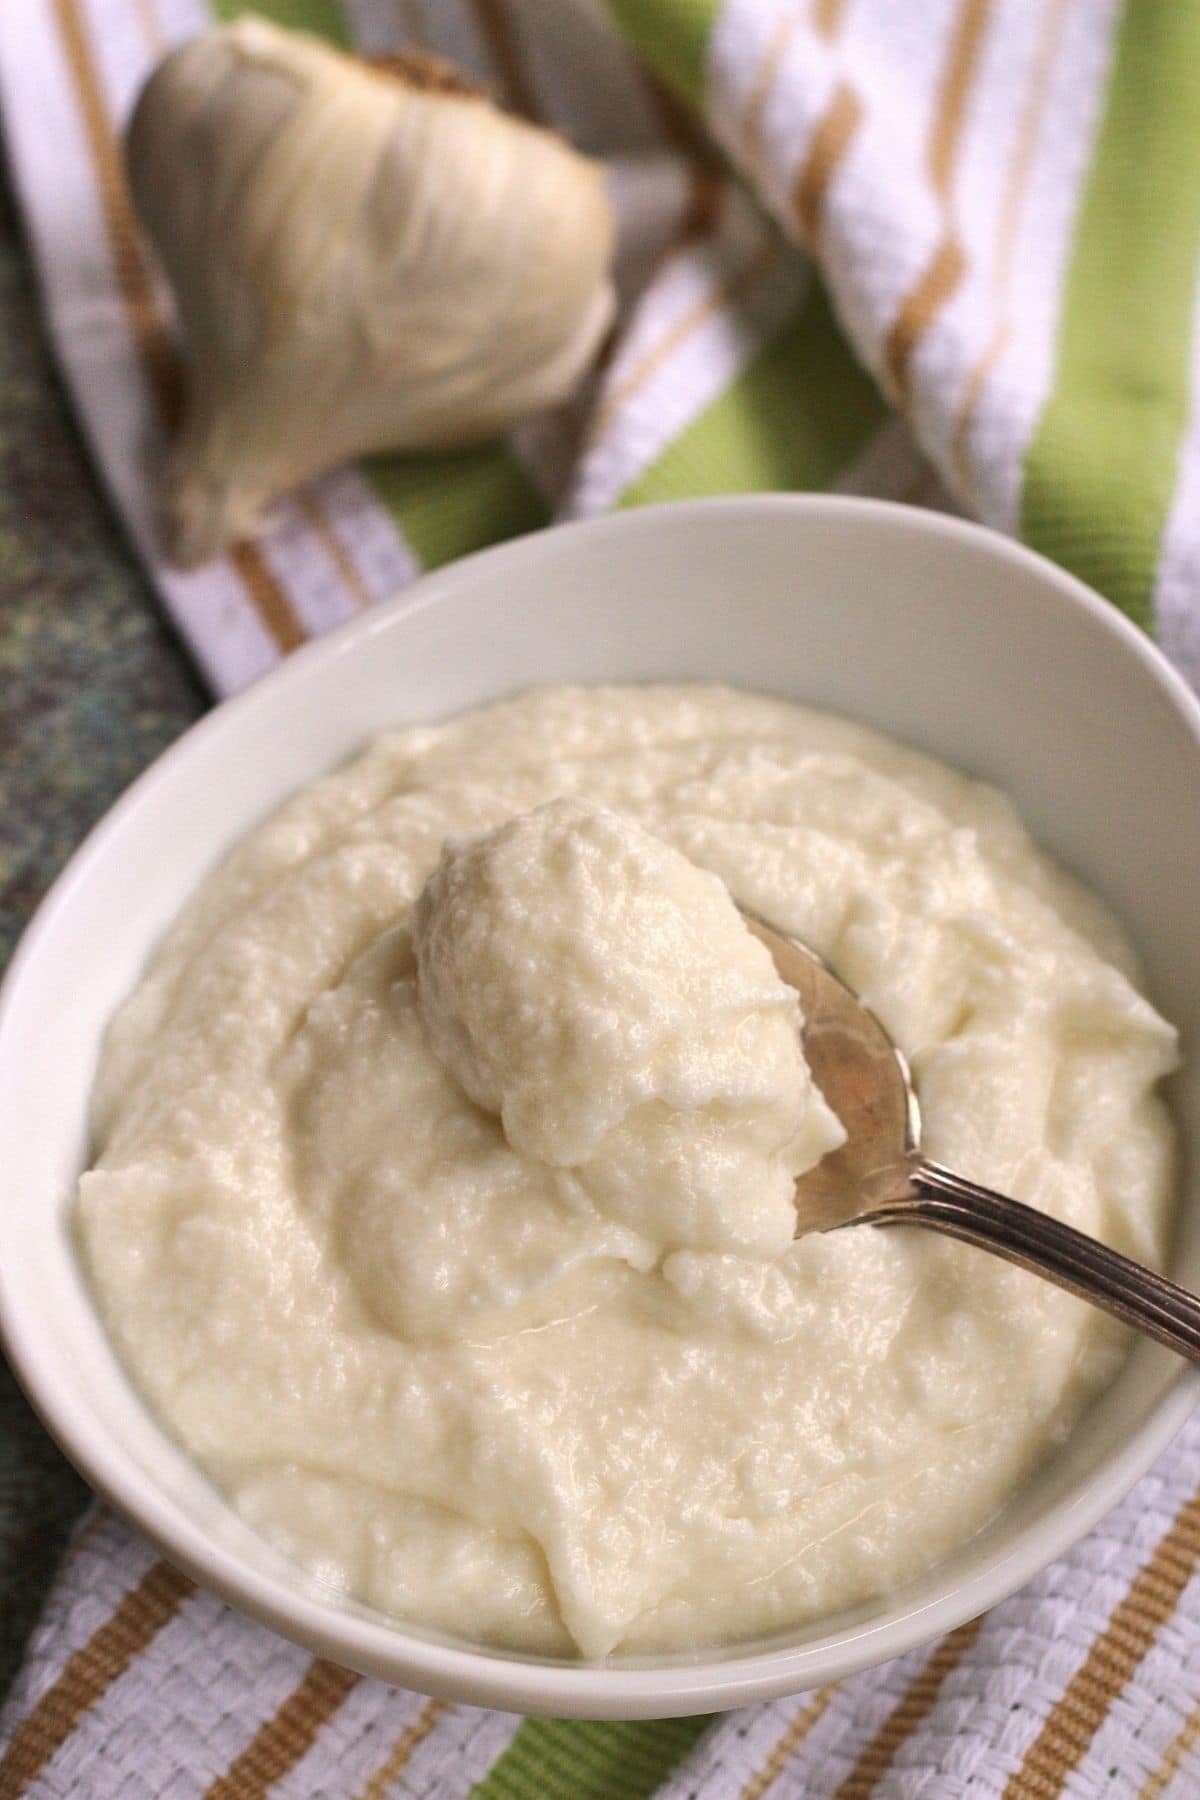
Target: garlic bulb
(364,258)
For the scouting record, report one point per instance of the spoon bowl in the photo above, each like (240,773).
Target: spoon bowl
(864,1077)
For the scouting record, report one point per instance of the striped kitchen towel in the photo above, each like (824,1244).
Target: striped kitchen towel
(1002,198)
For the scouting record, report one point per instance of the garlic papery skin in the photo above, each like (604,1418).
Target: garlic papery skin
(363,258)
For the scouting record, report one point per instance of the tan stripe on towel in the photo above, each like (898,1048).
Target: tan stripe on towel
(941,276)
(797,1730)
(831,141)
(697,220)
(339,554)
(1184,1739)
(146,323)
(959,73)
(400,1755)
(270,602)
(725,294)
(921,306)
(750,127)
(919,1699)
(1020,169)
(287,1735)
(1132,1627)
(827,16)
(90,1672)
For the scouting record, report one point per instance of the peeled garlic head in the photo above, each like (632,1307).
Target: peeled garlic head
(364,258)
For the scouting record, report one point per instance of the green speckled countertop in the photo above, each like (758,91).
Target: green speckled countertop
(92,687)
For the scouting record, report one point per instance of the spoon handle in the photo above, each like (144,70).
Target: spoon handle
(1128,1290)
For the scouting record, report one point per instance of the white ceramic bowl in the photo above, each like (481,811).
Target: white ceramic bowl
(931,629)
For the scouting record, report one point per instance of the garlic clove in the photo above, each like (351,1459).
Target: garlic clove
(364,258)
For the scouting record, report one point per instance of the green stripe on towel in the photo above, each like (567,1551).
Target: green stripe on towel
(793,419)
(462,500)
(671,34)
(324,17)
(1101,469)
(560,1759)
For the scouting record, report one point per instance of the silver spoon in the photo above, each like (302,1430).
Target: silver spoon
(879,1176)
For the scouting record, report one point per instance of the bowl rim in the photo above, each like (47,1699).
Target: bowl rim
(477,1675)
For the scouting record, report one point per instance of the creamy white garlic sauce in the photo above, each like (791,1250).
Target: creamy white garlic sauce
(442,1207)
